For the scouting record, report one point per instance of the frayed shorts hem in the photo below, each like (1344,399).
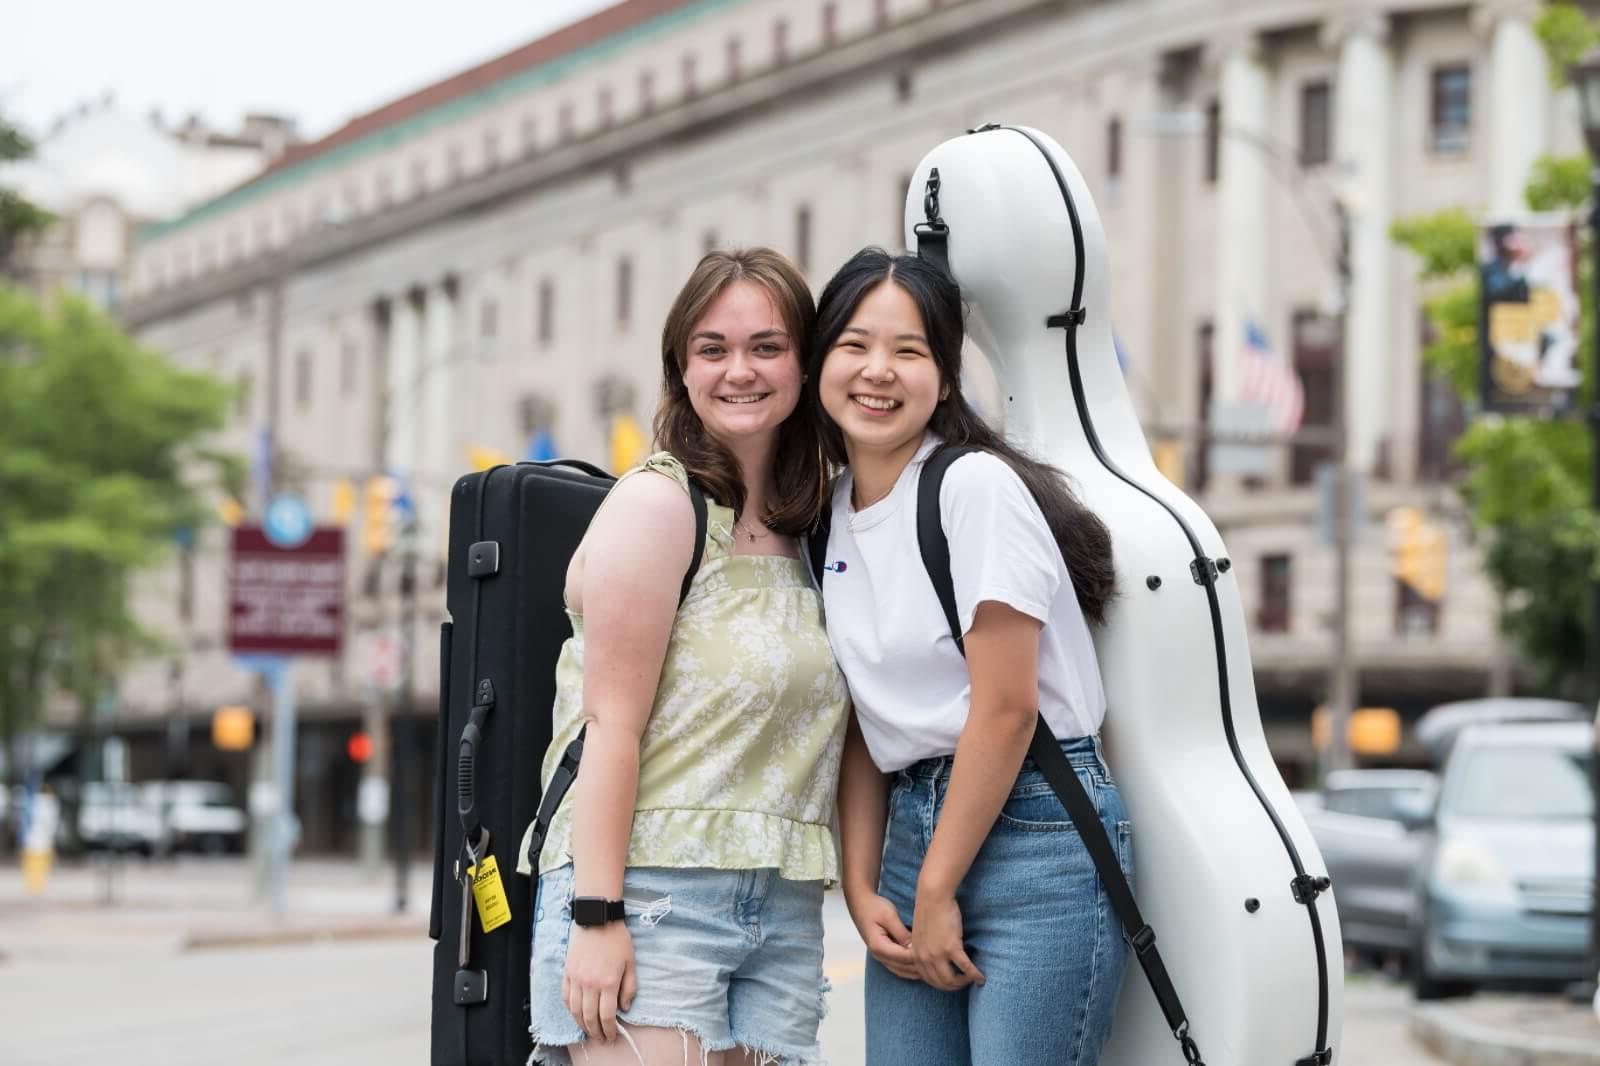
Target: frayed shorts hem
(551,1049)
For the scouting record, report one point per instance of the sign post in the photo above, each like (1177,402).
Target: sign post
(286,591)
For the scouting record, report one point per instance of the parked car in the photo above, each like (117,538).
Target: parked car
(197,815)
(1507,875)
(113,816)
(1437,730)
(1371,853)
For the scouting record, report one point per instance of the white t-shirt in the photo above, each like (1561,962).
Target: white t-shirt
(907,677)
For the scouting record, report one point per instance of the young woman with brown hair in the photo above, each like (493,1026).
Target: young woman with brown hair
(699,828)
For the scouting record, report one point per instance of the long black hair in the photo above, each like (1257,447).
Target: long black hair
(1084,540)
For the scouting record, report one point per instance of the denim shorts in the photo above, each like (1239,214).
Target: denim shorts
(731,957)
(1036,921)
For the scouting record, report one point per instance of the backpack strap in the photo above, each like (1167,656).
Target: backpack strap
(1047,755)
(817,542)
(567,770)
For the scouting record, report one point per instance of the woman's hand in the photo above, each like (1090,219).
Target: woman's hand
(936,946)
(886,936)
(600,978)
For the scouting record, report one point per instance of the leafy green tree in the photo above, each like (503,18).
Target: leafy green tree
(1526,479)
(18,217)
(103,459)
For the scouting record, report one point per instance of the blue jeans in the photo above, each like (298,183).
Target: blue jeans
(733,957)
(1036,920)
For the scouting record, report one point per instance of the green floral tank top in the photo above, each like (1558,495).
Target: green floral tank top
(739,761)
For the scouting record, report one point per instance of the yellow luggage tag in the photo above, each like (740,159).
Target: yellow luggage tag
(494,910)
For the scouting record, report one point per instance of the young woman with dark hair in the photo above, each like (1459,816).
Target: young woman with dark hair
(698,832)
(990,936)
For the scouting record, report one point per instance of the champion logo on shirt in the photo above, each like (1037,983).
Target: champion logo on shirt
(837,568)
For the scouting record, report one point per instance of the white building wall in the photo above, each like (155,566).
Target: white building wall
(841,149)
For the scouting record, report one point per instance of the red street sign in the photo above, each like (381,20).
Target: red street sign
(286,601)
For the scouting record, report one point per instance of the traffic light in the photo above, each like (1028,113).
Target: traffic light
(1420,552)
(378,514)
(359,748)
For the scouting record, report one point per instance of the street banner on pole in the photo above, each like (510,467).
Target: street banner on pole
(286,601)
(1529,316)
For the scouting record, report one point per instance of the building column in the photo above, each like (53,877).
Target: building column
(1242,186)
(437,454)
(1517,92)
(402,363)
(1363,105)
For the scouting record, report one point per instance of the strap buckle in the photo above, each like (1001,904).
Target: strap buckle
(1068,319)
(1307,888)
(1317,1058)
(1143,941)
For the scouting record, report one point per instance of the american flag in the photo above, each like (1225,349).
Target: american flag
(1270,382)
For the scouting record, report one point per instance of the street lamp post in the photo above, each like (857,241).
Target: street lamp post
(1586,78)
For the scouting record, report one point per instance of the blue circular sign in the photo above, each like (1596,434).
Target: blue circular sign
(288,522)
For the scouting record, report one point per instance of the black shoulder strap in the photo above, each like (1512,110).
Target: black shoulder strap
(567,770)
(817,542)
(1046,752)
(697,499)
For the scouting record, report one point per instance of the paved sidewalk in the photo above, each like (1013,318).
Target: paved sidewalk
(98,907)
(1506,1030)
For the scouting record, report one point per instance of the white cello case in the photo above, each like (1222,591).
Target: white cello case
(1214,825)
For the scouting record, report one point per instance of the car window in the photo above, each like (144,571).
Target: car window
(1369,802)
(1522,782)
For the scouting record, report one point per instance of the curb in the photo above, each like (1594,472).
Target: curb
(265,938)
(1447,1032)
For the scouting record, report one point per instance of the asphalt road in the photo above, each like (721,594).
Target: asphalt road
(84,996)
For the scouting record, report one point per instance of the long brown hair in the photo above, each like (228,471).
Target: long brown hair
(797,465)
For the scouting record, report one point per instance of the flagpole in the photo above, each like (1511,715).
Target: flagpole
(1342,682)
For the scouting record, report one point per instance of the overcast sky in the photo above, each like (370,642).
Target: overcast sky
(320,61)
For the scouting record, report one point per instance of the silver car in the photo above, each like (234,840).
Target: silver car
(1507,881)
(1372,855)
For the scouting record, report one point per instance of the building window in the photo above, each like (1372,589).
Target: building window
(1316,130)
(624,291)
(530,134)
(491,149)
(647,91)
(780,41)
(452,163)
(302,380)
(1316,360)
(604,106)
(564,121)
(242,387)
(802,237)
(733,59)
(1213,141)
(1205,340)
(1272,616)
(1451,109)
(880,13)
(545,328)
(1414,614)
(1114,148)
(488,320)
(385,190)
(830,23)
(708,242)
(689,86)
(347,368)
(1444,419)
(419,177)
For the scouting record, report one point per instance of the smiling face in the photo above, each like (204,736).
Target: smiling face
(879,382)
(740,366)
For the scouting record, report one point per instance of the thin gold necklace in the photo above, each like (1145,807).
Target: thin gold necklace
(750,534)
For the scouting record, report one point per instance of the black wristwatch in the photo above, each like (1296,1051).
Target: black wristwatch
(596,910)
